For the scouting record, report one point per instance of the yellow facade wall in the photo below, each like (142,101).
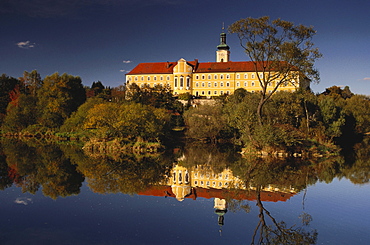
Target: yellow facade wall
(204,84)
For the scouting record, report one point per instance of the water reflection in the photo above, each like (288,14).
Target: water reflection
(193,172)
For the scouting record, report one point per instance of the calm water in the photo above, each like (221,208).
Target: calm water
(197,195)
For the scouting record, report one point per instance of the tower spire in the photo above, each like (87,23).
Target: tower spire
(223,53)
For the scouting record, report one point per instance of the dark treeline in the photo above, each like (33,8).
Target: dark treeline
(292,122)
(59,105)
(298,122)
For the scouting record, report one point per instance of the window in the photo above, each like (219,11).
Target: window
(237,84)
(252,84)
(221,84)
(222,92)
(186,177)
(188,82)
(197,77)
(161,78)
(215,76)
(237,76)
(215,84)
(202,92)
(227,84)
(209,77)
(203,85)
(203,77)
(245,84)
(215,92)
(135,78)
(175,82)
(209,92)
(221,76)
(245,76)
(180,177)
(168,78)
(196,84)
(174,177)
(155,78)
(209,85)
(227,76)
(181,82)
(142,79)
(148,78)
(253,76)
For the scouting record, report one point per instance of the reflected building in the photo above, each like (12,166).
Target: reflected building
(202,181)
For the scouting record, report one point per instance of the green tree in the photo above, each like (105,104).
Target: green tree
(58,98)
(77,119)
(205,121)
(280,51)
(333,116)
(128,120)
(32,82)
(21,114)
(359,107)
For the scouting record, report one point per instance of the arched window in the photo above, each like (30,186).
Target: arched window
(181,82)
(175,82)
(188,82)
(180,177)
(186,177)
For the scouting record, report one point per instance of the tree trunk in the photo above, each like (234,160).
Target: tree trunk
(259,110)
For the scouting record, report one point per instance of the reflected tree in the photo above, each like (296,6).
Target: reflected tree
(273,232)
(43,166)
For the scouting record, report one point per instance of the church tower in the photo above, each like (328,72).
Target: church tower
(223,53)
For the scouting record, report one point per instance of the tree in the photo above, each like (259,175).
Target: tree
(281,52)
(32,81)
(205,121)
(7,84)
(58,98)
(20,114)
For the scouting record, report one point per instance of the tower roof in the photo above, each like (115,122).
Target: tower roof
(223,45)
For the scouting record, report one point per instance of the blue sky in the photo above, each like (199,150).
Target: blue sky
(104,39)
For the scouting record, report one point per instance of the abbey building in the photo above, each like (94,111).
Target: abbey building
(204,78)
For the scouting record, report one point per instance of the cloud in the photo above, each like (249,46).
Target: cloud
(127,61)
(23,200)
(366,78)
(124,71)
(26,45)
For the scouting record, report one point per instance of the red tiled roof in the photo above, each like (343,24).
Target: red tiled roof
(153,68)
(251,195)
(208,67)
